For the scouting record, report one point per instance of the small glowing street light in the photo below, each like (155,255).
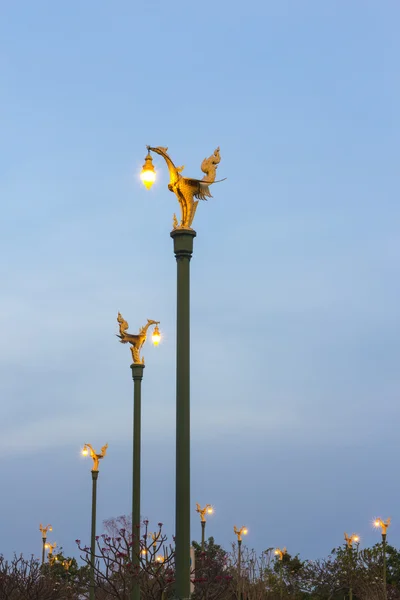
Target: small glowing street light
(383,525)
(280,554)
(44,531)
(88,449)
(239,532)
(208,509)
(349,541)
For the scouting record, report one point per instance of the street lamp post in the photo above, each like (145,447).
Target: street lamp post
(208,509)
(44,531)
(87,448)
(239,533)
(280,554)
(383,525)
(188,192)
(136,341)
(349,539)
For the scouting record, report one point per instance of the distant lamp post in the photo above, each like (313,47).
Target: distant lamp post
(383,525)
(136,341)
(350,539)
(87,448)
(44,531)
(280,554)
(239,533)
(207,510)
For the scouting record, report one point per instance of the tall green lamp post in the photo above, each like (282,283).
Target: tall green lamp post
(208,509)
(87,448)
(383,525)
(188,192)
(136,341)
(350,539)
(280,554)
(239,533)
(44,531)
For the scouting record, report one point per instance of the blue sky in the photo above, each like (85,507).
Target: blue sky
(295,274)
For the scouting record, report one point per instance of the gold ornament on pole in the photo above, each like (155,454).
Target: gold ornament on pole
(240,532)
(349,539)
(87,448)
(280,553)
(208,509)
(382,524)
(44,530)
(137,340)
(186,189)
(50,547)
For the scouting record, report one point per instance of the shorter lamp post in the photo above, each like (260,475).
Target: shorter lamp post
(44,531)
(280,554)
(87,448)
(239,533)
(383,525)
(349,539)
(136,341)
(208,509)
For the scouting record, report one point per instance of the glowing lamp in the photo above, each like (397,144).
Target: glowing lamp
(84,451)
(148,174)
(245,531)
(210,510)
(156,337)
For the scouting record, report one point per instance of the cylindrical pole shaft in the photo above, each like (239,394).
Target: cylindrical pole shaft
(384,564)
(239,569)
(95,475)
(183,248)
(281,579)
(350,559)
(43,548)
(203,532)
(137,375)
